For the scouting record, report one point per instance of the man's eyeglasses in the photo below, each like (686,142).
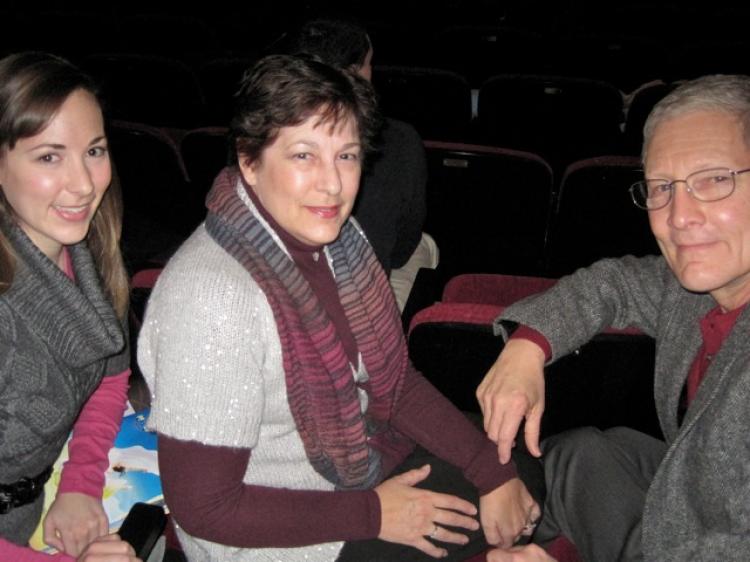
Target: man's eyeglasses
(705,185)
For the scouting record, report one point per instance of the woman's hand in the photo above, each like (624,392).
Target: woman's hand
(109,548)
(409,514)
(513,389)
(506,511)
(528,553)
(73,521)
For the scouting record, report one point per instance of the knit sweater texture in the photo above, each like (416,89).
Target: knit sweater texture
(58,338)
(210,336)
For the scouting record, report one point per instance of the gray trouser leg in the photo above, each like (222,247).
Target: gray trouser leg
(596,487)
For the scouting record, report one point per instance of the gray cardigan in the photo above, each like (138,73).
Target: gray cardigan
(698,505)
(57,340)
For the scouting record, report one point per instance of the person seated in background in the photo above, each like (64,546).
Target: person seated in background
(64,360)
(619,494)
(279,371)
(391,205)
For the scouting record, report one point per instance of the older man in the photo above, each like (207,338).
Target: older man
(619,494)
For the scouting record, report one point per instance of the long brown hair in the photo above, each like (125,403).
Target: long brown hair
(33,86)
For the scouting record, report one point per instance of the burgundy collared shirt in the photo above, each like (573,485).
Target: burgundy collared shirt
(715,327)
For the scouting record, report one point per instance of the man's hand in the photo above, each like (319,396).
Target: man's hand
(409,514)
(512,390)
(505,511)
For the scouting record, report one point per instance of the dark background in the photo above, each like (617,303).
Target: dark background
(627,43)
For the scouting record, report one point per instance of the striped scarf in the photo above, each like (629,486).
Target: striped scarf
(321,389)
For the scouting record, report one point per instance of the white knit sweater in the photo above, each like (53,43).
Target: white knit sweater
(210,352)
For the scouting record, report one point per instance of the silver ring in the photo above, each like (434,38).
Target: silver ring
(529,528)
(434,532)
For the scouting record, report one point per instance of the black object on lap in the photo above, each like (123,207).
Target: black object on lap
(142,527)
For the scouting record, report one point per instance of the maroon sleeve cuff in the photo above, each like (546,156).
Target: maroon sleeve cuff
(526,333)
(486,472)
(225,510)
(426,416)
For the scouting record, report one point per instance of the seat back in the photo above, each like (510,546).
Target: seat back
(487,208)
(641,104)
(480,51)
(436,102)
(159,208)
(160,91)
(220,80)
(205,152)
(595,216)
(562,119)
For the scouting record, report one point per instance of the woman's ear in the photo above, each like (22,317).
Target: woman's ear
(247,169)
(2,167)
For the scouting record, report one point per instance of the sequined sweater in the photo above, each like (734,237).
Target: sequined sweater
(230,398)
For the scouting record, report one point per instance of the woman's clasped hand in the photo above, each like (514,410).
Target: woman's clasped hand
(409,515)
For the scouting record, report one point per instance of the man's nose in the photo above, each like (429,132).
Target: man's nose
(684,209)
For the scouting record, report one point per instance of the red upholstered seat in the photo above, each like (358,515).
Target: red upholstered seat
(493,289)
(451,342)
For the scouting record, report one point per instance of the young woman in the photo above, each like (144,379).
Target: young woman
(283,395)
(63,299)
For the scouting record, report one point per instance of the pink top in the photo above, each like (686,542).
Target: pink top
(93,434)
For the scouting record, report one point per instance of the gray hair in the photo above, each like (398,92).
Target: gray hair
(727,93)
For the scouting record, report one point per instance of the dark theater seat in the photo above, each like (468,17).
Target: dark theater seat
(595,217)
(436,102)
(605,383)
(487,208)
(562,119)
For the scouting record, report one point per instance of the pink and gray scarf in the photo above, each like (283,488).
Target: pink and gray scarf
(321,390)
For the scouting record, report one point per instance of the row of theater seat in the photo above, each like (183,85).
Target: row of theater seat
(562,119)
(496,210)
(605,383)
(620,43)
(490,209)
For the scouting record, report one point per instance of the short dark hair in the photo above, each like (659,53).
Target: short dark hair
(284,90)
(340,43)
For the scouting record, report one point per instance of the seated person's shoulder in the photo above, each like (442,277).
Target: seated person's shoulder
(400,131)
(203,275)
